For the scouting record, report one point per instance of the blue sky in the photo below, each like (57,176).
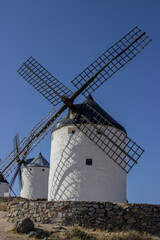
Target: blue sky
(65,37)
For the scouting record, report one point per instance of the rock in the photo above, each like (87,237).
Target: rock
(41,234)
(25,225)
(91,209)
(131,220)
(70,214)
(32,234)
(62,228)
(55,237)
(100,210)
(95,205)
(59,215)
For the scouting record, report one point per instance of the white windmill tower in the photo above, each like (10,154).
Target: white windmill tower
(32,173)
(79,170)
(34,180)
(96,131)
(4,186)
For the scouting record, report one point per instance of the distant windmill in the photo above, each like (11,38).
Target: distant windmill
(20,162)
(4,185)
(115,144)
(31,174)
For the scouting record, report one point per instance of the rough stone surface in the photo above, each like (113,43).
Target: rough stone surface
(25,225)
(103,215)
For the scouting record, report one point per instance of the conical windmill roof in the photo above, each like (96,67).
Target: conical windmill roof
(2,179)
(38,161)
(89,114)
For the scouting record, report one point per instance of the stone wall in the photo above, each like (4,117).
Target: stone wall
(111,216)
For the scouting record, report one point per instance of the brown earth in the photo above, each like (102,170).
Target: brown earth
(5,229)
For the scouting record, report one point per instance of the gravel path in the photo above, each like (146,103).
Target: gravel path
(5,228)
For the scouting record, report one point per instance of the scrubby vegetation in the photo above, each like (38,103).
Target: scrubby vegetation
(85,234)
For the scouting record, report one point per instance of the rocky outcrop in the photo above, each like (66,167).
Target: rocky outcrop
(25,225)
(104,215)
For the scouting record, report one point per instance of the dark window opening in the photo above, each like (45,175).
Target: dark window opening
(71,130)
(43,169)
(88,161)
(30,169)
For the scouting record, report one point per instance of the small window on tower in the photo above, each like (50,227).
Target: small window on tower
(71,130)
(43,169)
(30,169)
(88,161)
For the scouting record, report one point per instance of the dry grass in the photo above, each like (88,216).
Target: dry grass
(85,234)
(7,200)
(3,206)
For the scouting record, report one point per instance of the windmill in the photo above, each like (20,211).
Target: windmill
(31,173)
(34,178)
(4,185)
(124,154)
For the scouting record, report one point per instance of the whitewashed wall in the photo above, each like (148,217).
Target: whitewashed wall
(71,179)
(4,188)
(34,182)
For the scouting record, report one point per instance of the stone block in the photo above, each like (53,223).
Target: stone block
(131,220)
(95,205)
(98,210)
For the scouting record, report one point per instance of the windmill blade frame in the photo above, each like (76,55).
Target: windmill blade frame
(30,141)
(112,60)
(43,81)
(20,178)
(19,161)
(16,147)
(16,142)
(15,174)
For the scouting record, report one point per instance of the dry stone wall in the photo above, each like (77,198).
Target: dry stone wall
(104,215)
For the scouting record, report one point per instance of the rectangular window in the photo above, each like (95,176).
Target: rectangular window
(88,161)
(71,130)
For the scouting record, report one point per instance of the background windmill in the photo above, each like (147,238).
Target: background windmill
(87,82)
(30,175)
(4,185)
(20,163)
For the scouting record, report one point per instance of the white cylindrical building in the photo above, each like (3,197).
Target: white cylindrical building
(35,178)
(4,186)
(79,169)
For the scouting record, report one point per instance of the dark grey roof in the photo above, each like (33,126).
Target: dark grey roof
(2,179)
(89,114)
(38,161)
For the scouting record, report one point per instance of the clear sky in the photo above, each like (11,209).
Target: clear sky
(65,37)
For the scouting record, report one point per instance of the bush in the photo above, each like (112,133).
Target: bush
(79,234)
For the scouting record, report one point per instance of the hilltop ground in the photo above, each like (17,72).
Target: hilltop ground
(67,233)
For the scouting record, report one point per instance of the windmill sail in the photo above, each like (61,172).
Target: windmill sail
(45,83)
(29,142)
(20,162)
(17,172)
(112,60)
